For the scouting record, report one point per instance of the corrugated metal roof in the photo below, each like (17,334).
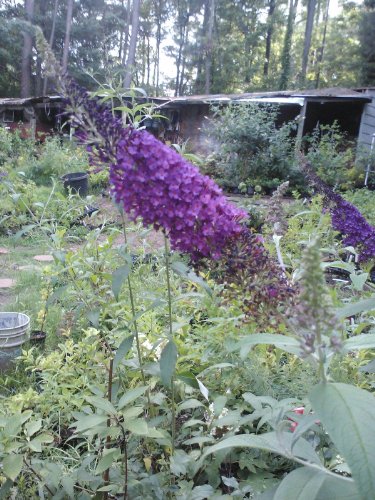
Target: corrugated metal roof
(277,96)
(282,97)
(28,101)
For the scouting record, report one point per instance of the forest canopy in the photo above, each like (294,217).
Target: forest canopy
(180,47)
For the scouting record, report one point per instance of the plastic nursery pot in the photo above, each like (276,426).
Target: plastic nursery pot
(37,337)
(77,182)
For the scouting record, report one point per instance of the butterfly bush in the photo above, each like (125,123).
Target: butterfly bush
(152,181)
(346,219)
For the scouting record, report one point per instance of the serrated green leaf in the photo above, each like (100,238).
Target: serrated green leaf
(348,415)
(118,277)
(168,360)
(12,465)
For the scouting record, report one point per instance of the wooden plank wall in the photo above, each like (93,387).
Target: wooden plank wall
(367,128)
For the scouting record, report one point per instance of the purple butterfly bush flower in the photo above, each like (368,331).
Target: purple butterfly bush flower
(152,181)
(346,218)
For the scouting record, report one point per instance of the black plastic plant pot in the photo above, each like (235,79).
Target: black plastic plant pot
(37,337)
(77,182)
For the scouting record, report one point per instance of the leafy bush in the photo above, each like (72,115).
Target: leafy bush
(252,149)
(54,159)
(332,156)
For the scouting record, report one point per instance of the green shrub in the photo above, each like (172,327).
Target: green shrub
(54,159)
(253,150)
(332,156)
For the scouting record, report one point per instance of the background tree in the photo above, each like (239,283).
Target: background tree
(26,51)
(367,39)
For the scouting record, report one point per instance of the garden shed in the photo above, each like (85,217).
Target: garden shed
(188,116)
(309,108)
(33,116)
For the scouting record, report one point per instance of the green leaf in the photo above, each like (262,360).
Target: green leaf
(118,277)
(102,404)
(305,483)
(33,427)
(36,443)
(358,280)
(109,456)
(348,415)
(287,344)
(189,404)
(183,270)
(89,422)
(168,360)
(12,465)
(364,341)
(271,441)
(122,351)
(356,308)
(94,316)
(137,426)
(5,489)
(131,396)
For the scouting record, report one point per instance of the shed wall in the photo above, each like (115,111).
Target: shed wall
(367,128)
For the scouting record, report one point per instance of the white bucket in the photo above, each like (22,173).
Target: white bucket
(13,329)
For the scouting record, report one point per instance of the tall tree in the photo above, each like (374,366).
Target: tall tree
(270,23)
(132,44)
(209,42)
(26,51)
(321,49)
(287,46)
(311,6)
(51,40)
(68,28)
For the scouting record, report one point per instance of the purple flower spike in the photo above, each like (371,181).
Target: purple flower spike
(152,181)
(346,218)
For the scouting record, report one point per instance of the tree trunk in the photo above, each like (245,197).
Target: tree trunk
(286,55)
(308,35)
(26,52)
(126,35)
(321,49)
(158,42)
(199,81)
(51,40)
(68,27)
(271,10)
(132,45)
(209,46)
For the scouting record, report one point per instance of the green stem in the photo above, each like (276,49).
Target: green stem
(134,320)
(167,266)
